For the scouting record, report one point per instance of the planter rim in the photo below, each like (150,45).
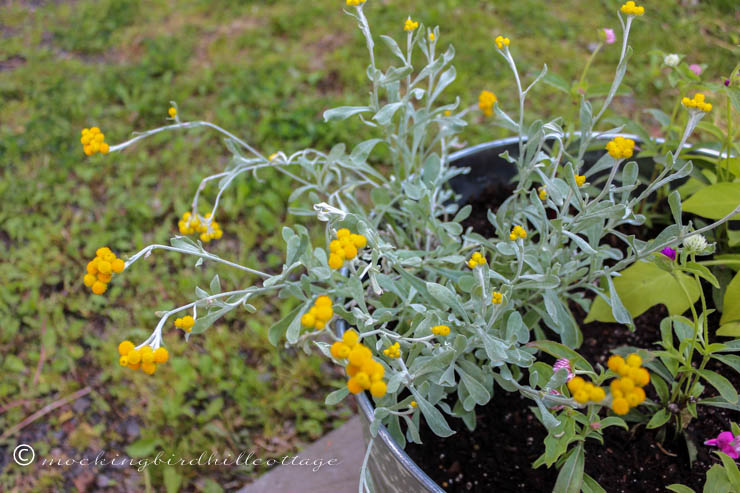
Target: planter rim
(603,136)
(366,407)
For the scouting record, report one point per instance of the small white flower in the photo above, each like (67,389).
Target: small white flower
(695,244)
(671,60)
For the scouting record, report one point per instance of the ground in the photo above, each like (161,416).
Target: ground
(265,70)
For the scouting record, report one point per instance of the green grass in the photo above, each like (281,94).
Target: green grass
(266,71)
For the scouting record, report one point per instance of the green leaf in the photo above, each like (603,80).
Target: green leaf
(336,396)
(729,330)
(385,115)
(477,391)
(731,469)
(433,417)
(731,303)
(590,485)
(717,481)
(446,297)
(172,479)
(557,82)
(723,386)
(702,272)
(659,419)
(277,330)
(674,200)
(643,285)
(142,447)
(714,201)
(344,112)
(561,351)
(619,312)
(570,477)
(679,488)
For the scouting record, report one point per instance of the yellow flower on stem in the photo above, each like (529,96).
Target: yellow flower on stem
(486,100)
(410,25)
(517,232)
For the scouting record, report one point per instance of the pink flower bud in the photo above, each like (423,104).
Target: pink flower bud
(610,37)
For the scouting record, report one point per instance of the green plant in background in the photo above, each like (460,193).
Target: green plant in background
(445,332)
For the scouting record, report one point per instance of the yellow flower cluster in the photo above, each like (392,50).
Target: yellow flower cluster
(410,25)
(621,148)
(630,8)
(364,372)
(501,42)
(100,270)
(583,391)
(542,193)
(697,102)
(497,298)
(486,101)
(431,37)
(145,358)
(517,232)
(355,3)
(172,111)
(580,179)
(93,140)
(437,330)
(185,323)
(344,247)
(393,351)
(627,390)
(191,224)
(319,314)
(476,260)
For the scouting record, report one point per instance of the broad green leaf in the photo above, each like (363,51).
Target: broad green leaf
(733,474)
(659,419)
(731,304)
(643,285)
(729,330)
(570,477)
(142,447)
(723,386)
(172,479)
(717,481)
(714,201)
(277,330)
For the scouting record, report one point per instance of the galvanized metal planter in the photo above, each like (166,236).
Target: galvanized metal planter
(391,469)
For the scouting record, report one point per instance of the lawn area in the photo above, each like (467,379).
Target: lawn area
(265,71)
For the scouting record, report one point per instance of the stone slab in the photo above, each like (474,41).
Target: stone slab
(345,445)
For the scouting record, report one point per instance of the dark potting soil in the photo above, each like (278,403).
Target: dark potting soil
(497,456)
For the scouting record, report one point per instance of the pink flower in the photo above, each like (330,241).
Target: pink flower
(610,37)
(669,252)
(726,442)
(564,363)
(695,68)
